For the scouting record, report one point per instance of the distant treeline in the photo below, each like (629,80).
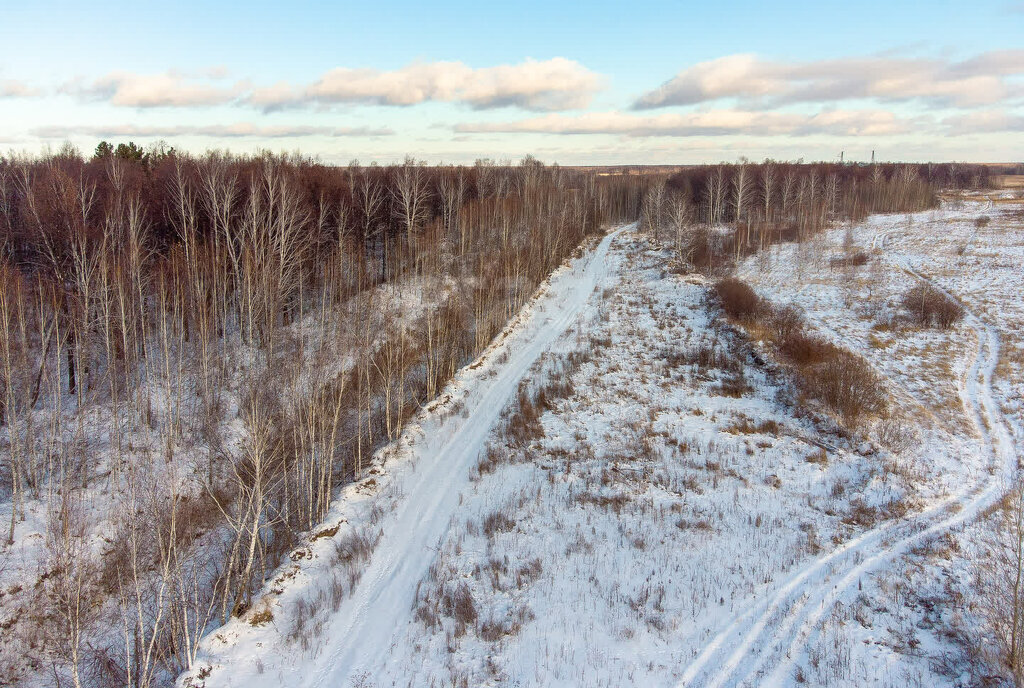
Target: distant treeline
(772,201)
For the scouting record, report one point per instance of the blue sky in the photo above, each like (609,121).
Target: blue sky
(604,83)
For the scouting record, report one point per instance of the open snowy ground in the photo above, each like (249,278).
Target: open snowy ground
(625,491)
(921,620)
(671,481)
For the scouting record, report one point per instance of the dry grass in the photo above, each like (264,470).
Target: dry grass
(745,427)
(497,522)
(819,457)
(1008,181)
(261,617)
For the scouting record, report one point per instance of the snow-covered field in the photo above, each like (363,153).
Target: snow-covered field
(919,621)
(624,490)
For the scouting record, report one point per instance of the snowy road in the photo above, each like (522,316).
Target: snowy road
(359,638)
(764,645)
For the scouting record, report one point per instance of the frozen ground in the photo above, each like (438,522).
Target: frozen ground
(917,621)
(625,491)
(399,513)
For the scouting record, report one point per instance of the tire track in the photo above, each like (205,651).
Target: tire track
(362,631)
(779,628)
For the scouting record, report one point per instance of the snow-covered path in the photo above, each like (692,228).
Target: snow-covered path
(764,645)
(360,635)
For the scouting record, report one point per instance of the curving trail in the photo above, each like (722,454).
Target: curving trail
(362,631)
(763,646)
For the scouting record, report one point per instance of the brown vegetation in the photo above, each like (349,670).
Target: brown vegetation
(929,306)
(737,298)
(220,343)
(841,380)
(713,215)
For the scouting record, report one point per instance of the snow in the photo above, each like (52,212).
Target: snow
(428,480)
(813,595)
(670,517)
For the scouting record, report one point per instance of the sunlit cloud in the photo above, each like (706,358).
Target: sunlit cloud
(540,85)
(12,88)
(980,80)
(712,123)
(169,89)
(237,130)
(555,84)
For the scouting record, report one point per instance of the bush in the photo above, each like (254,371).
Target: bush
(847,384)
(841,380)
(737,298)
(931,307)
(460,605)
(805,349)
(734,385)
(706,250)
(854,260)
(786,321)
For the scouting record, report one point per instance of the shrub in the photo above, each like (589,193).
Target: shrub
(854,260)
(737,298)
(841,380)
(460,605)
(786,321)
(847,384)
(805,349)
(706,250)
(733,385)
(931,307)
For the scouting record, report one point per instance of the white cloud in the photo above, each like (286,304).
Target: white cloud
(542,85)
(994,62)
(236,130)
(11,88)
(980,80)
(555,84)
(170,89)
(712,123)
(984,122)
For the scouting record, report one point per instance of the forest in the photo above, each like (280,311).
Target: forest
(198,351)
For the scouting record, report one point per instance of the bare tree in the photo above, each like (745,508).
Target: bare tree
(767,189)
(654,209)
(370,194)
(680,212)
(411,197)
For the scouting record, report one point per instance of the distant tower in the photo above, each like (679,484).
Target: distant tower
(872,157)
(841,154)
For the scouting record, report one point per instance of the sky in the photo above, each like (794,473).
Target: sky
(574,83)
